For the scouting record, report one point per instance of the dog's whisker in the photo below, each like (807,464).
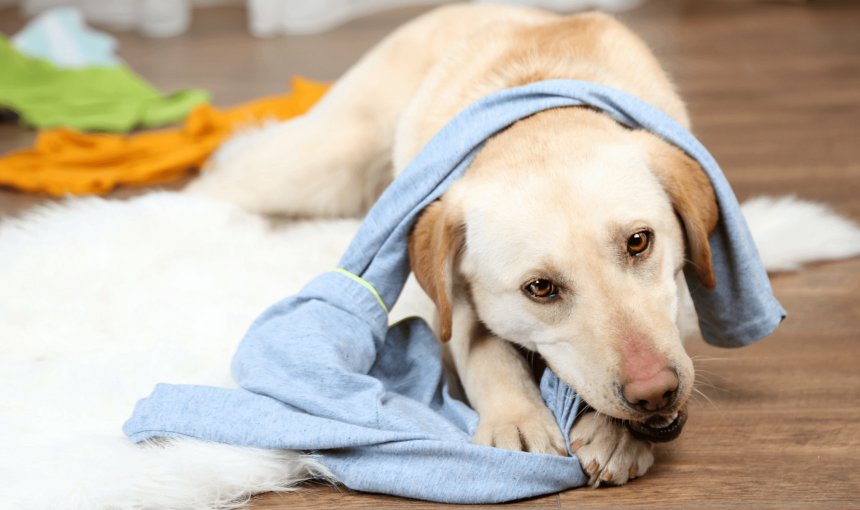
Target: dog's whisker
(716,387)
(579,413)
(703,381)
(708,399)
(710,358)
(708,372)
(708,380)
(582,409)
(713,374)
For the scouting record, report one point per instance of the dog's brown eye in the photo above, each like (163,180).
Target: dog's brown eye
(638,242)
(541,288)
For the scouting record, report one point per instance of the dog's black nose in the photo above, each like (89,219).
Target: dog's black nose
(658,392)
(655,403)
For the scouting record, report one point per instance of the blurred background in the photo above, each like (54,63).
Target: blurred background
(772,86)
(773,89)
(265,18)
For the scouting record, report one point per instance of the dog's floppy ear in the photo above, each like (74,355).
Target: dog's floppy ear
(433,246)
(693,198)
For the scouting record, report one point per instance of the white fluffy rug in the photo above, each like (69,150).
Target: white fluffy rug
(100,300)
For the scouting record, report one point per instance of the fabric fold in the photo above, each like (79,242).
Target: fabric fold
(327,353)
(67,161)
(87,99)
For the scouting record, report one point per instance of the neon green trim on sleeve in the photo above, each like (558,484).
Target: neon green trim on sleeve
(361,281)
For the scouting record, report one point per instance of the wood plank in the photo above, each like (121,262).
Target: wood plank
(749,458)
(774,93)
(331,497)
(846,506)
(764,384)
(704,504)
(811,359)
(217,53)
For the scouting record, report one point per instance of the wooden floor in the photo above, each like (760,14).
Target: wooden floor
(774,92)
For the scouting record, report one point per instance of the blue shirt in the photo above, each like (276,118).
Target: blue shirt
(321,370)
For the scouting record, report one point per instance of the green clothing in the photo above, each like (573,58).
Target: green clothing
(89,99)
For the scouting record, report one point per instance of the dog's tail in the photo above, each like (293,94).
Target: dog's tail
(790,233)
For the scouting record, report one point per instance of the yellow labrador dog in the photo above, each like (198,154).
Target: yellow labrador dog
(565,237)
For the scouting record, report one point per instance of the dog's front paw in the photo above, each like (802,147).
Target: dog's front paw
(607,452)
(533,430)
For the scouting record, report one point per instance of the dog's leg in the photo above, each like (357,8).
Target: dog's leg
(606,450)
(336,159)
(500,388)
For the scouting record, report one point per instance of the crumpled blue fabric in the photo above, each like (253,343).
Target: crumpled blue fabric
(62,37)
(322,371)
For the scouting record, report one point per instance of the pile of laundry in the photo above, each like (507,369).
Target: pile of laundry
(64,78)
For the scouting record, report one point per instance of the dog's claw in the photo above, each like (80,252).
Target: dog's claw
(608,452)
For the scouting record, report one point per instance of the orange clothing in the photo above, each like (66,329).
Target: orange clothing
(66,161)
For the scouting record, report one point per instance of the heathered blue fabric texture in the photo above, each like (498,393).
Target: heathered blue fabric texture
(321,370)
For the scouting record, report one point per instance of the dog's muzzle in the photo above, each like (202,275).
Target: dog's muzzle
(659,429)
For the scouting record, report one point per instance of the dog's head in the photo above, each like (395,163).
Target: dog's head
(566,235)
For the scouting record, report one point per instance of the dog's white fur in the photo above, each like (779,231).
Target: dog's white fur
(198,282)
(774,220)
(101,300)
(550,198)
